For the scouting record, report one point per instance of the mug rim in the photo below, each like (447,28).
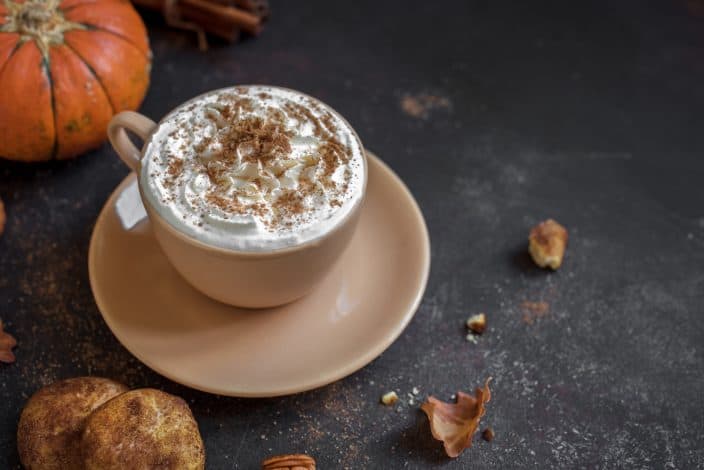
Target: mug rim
(251,253)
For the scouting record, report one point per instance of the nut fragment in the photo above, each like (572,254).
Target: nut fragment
(389,398)
(7,342)
(488,434)
(477,323)
(546,243)
(289,462)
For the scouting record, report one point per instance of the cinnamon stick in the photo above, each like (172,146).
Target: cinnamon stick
(214,26)
(245,21)
(258,7)
(222,20)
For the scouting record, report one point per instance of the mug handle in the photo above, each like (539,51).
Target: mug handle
(135,122)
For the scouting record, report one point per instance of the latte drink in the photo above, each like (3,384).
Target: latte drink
(253,169)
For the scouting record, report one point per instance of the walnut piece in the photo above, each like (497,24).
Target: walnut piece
(289,462)
(389,398)
(477,323)
(546,243)
(7,342)
(455,423)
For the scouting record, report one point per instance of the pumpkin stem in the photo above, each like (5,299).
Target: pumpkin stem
(40,20)
(34,18)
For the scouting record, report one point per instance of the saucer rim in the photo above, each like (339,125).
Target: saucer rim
(334,375)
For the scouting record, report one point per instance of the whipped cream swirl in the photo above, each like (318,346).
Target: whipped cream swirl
(253,168)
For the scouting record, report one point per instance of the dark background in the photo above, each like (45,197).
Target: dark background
(588,112)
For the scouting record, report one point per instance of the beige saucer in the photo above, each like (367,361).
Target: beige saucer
(351,318)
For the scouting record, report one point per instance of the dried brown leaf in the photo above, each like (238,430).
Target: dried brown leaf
(455,423)
(7,342)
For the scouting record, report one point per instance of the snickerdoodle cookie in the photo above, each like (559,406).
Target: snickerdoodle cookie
(50,427)
(143,429)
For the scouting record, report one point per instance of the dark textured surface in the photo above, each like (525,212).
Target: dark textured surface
(591,113)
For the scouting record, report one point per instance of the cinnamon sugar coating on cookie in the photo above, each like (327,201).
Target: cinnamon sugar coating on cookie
(50,427)
(143,428)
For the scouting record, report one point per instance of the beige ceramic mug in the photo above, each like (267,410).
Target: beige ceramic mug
(253,279)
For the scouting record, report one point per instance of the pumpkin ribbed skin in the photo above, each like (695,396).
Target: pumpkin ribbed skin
(65,68)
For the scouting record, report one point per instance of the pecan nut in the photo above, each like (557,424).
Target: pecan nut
(289,462)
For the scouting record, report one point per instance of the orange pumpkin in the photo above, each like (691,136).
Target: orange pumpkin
(66,66)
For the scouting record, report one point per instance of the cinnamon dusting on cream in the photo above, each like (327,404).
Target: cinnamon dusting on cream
(258,157)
